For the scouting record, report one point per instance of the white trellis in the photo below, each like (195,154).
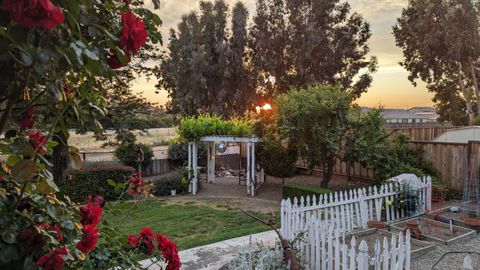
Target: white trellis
(252,181)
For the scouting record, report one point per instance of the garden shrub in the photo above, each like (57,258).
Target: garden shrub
(79,184)
(178,153)
(128,154)
(298,190)
(276,159)
(177,180)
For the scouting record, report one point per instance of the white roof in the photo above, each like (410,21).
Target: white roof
(460,135)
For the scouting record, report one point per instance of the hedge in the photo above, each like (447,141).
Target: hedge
(298,190)
(177,180)
(79,184)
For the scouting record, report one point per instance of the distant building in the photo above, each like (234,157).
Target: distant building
(415,115)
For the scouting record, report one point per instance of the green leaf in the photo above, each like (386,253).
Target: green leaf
(74,8)
(69,225)
(24,169)
(111,183)
(46,186)
(12,160)
(9,237)
(52,210)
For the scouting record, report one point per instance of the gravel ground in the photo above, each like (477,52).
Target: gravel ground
(450,261)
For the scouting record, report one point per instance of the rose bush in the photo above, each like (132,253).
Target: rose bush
(54,56)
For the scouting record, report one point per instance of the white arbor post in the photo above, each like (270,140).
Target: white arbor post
(253,178)
(192,167)
(248,174)
(211,163)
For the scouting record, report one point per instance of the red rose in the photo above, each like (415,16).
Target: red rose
(136,183)
(97,200)
(38,141)
(90,214)
(27,120)
(34,13)
(53,260)
(31,240)
(144,241)
(114,62)
(169,252)
(133,35)
(89,240)
(59,235)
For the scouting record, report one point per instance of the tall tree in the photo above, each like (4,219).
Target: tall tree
(301,43)
(441,44)
(204,70)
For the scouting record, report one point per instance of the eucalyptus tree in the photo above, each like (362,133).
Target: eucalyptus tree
(441,46)
(301,43)
(204,70)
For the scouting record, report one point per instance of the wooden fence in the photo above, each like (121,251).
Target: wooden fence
(419,133)
(356,170)
(349,210)
(453,161)
(325,248)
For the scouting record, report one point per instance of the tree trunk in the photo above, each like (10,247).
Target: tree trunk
(475,84)
(59,157)
(328,172)
(466,93)
(349,176)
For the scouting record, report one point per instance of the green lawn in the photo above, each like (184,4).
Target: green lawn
(188,224)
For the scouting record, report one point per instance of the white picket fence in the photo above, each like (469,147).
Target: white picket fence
(325,248)
(349,210)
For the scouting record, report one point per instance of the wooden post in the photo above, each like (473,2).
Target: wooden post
(211,163)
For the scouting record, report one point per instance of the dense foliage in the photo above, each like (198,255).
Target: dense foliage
(297,190)
(55,56)
(129,153)
(81,183)
(204,70)
(385,153)
(176,180)
(314,120)
(441,46)
(298,43)
(195,127)
(275,158)
(178,153)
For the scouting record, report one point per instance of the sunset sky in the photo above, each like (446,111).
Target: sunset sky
(390,88)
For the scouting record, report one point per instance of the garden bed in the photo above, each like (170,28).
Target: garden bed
(457,218)
(418,248)
(437,231)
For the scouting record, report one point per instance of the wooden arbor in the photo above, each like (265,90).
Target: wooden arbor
(192,160)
